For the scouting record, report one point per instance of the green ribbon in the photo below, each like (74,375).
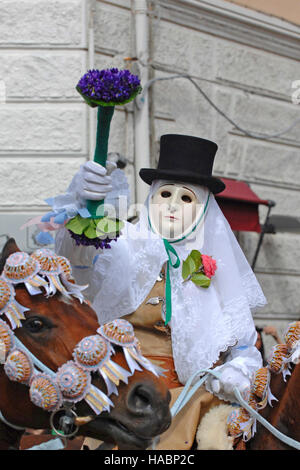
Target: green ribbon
(170,250)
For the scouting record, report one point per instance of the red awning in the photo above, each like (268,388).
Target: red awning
(240,204)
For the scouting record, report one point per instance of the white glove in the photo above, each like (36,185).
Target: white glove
(93,181)
(230,377)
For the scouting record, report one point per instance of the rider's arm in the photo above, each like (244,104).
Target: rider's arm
(96,183)
(241,363)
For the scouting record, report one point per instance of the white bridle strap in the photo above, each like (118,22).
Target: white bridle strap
(38,364)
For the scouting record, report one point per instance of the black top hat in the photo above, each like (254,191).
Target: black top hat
(187,159)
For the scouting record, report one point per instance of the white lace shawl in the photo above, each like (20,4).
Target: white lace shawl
(205,322)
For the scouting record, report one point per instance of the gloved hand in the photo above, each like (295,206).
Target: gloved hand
(93,181)
(230,377)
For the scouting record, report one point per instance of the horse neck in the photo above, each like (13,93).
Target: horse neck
(284,415)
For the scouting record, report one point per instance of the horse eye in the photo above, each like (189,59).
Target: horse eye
(186,198)
(165,194)
(34,325)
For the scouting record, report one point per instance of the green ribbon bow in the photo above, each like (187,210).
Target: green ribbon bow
(170,250)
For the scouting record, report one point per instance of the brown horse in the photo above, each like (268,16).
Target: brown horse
(284,415)
(52,328)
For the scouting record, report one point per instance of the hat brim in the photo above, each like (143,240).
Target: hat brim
(215,185)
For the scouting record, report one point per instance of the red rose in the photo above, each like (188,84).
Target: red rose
(209,266)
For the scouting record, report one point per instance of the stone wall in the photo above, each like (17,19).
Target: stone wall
(245,65)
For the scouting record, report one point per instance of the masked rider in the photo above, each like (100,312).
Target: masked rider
(182,325)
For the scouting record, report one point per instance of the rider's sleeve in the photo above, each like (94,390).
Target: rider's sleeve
(84,258)
(241,363)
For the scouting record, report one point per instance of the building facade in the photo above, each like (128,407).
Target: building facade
(245,59)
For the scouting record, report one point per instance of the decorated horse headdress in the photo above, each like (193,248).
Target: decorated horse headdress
(44,271)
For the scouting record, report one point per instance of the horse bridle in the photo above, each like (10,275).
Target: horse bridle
(110,371)
(189,390)
(59,391)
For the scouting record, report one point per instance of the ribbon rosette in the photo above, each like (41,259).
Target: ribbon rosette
(57,271)
(292,339)
(120,332)
(279,360)
(6,341)
(93,353)
(9,306)
(241,423)
(22,268)
(261,387)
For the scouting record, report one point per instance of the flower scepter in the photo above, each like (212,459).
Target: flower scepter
(104,89)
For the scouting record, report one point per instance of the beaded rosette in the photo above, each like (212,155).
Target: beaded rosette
(43,270)
(93,354)
(240,422)
(120,332)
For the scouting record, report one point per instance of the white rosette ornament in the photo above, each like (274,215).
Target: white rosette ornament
(120,332)
(45,393)
(6,341)
(22,268)
(57,271)
(93,353)
(279,360)
(292,340)
(75,384)
(241,423)
(9,307)
(261,387)
(19,367)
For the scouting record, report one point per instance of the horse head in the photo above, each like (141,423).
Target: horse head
(52,327)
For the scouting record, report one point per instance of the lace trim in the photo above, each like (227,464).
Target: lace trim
(193,349)
(254,293)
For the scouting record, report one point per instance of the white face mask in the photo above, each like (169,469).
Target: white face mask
(173,210)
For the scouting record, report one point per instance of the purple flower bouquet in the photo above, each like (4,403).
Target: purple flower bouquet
(104,89)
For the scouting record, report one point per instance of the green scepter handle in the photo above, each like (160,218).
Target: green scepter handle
(104,117)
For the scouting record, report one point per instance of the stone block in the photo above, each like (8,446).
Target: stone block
(230,148)
(171,46)
(249,67)
(112,29)
(282,293)
(259,115)
(43,128)
(27,182)
(44,23)
(271,162)
(179,108)
(201,53)
(278,252)
(287,201)
(36,75)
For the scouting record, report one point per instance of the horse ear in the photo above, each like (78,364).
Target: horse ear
(9,248)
